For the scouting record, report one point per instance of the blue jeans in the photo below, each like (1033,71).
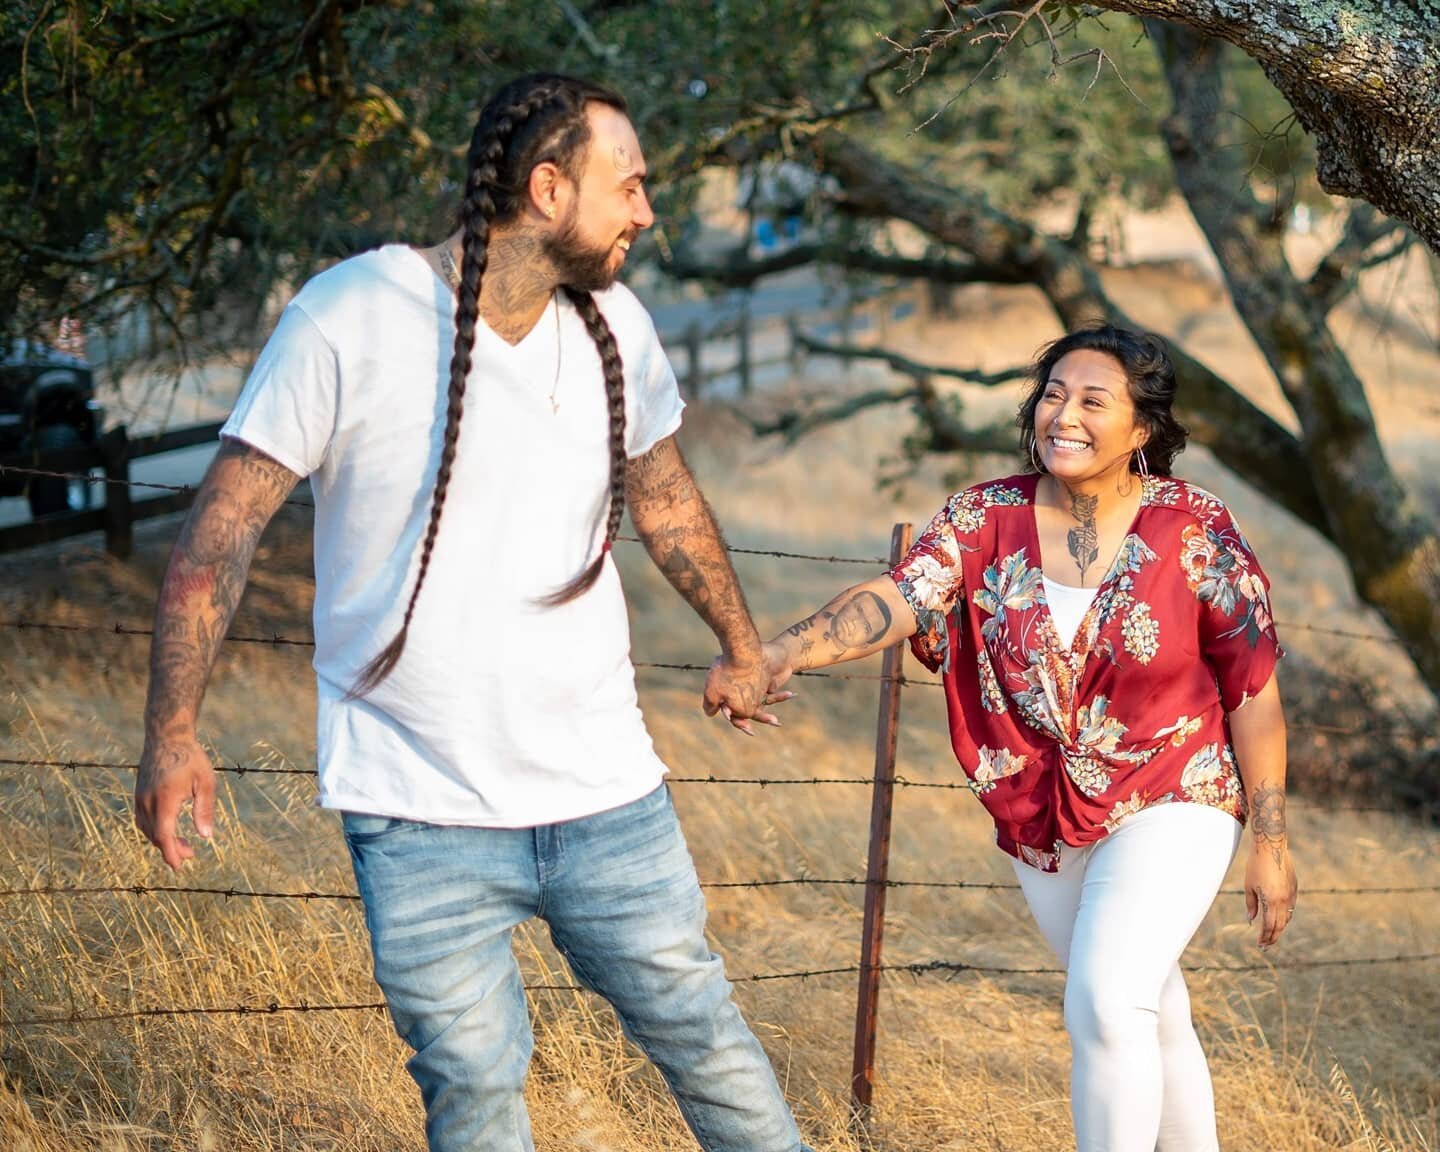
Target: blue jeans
(619,893)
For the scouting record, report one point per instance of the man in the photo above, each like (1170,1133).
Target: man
(478,723)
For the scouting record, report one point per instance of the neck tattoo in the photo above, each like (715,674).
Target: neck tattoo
(452,274)
(1084,539)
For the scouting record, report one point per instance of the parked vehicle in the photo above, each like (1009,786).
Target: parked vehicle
(47,403)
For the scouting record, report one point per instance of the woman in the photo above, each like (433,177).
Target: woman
(1107,651)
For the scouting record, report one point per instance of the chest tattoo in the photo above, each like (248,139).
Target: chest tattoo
(1084,538)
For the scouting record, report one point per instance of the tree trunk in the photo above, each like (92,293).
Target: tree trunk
(1392,550)
(1363,77)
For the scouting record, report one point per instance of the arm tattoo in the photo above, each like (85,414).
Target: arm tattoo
(859,622)
(1084,540)
(206,577)
(679,531)
(1267,818)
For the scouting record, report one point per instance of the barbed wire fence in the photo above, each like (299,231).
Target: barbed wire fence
(876,884)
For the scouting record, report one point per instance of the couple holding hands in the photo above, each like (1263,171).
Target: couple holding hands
(1103,632)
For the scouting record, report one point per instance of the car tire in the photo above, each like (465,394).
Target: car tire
(50,495)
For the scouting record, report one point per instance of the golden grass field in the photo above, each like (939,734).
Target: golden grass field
(1304,1059)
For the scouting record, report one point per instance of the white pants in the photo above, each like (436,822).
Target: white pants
(1118,915)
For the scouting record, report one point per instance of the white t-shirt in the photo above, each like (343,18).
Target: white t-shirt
(1068,605)
(500,713)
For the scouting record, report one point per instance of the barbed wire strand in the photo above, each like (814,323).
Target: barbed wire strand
(238,768)
(782,882)
(919,968)
(278,640)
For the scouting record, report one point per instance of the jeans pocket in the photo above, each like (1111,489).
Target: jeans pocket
(363,829)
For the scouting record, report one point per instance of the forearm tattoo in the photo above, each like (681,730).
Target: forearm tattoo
(1084,539)
(851,623)
(206,577)
(1267,818)
(679,531)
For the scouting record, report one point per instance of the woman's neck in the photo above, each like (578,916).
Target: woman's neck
(1100,497)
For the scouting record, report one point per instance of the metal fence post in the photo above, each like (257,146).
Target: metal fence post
(877,868)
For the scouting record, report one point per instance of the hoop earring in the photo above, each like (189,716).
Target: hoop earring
(1144,464)
(1035,456)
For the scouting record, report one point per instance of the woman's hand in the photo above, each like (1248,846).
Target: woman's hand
(1270,887)
(761,689)
(778,670)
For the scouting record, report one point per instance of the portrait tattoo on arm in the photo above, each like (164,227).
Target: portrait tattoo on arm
(862,620)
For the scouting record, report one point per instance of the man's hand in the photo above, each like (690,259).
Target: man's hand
(738,690)
(172,771)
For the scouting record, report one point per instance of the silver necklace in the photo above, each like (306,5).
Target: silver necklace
(452,274)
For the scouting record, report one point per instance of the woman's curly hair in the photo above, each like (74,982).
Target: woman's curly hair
(1149,372)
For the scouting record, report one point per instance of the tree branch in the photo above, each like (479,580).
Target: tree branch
(1363,77)
(1336,275)
(904,365)
(737,269)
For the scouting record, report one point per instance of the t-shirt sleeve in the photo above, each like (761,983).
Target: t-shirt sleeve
(288,406)
(1237,631)
(931,580)
(656,413)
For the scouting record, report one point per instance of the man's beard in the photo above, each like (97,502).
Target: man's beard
(577,264)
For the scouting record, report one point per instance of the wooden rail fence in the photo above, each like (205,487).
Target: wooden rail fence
(116,517)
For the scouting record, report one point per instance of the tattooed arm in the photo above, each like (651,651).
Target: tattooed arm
(679,531)
(202,586)
(859,622)
(1257,732)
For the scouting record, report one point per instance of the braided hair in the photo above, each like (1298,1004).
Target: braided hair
(533,120)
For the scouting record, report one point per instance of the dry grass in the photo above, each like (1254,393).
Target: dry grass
(1304,1060)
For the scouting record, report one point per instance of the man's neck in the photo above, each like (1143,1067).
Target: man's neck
(518,280)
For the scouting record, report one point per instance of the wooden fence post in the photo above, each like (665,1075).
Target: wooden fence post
(877,866)
(114,450)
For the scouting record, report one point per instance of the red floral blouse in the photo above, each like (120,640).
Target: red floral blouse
(1061,744)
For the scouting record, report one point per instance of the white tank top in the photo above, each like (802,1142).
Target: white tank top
(1068,606)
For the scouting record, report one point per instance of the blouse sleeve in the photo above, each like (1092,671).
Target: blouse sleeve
(931,580)
(1237,632)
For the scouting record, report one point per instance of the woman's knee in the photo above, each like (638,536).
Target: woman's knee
(1108,1010)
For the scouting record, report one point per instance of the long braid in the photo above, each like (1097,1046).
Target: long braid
(614,368)
(496,154)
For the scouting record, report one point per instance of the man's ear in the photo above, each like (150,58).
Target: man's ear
(548,188)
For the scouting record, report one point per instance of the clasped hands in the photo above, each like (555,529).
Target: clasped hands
(740,688)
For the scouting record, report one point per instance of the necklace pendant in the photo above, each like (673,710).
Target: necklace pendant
(554,406)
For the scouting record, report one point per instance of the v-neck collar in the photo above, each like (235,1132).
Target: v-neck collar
(1081,645)
(447,304)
